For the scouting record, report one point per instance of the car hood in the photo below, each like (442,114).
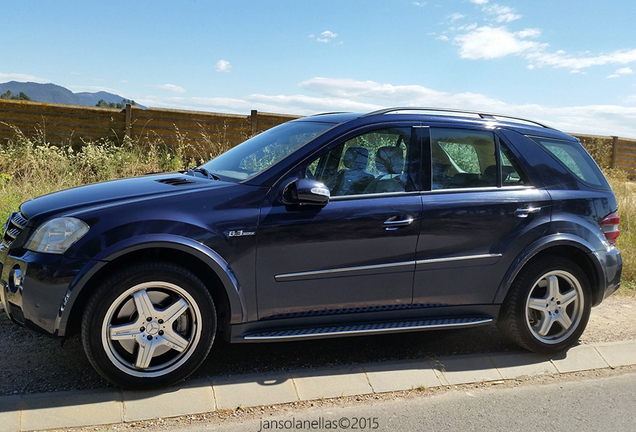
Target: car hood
(116,191)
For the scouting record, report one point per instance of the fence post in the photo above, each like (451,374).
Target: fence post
(128,121)
(614,150)
(254,119)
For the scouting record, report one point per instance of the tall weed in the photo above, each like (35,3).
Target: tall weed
(30,167)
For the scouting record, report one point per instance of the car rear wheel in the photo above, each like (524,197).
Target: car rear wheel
(149,325)
(548,306)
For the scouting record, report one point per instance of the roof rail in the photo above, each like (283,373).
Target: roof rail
(483,115)
(328,113)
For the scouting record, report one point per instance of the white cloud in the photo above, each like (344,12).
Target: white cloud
(492,42)
(223,66)
(620,72)
(419,4)
(560,59)
(501,13)
(467,28)
(92,89)
(171,88)
(338,94)
(4,77)
(489,42)
(325,37)
(455,16)
(529,33)
(442,37)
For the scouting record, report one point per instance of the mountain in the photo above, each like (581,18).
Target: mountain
(53,93)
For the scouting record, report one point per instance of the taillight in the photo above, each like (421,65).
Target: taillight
(609,225)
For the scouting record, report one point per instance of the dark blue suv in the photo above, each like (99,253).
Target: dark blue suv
(333,225)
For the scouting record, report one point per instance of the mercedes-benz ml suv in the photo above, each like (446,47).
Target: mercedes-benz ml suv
(333,225)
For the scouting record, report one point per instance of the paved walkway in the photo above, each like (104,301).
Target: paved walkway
(87,408)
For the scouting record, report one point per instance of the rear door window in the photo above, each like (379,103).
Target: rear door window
(463,159)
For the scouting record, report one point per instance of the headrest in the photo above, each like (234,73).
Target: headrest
(356,158)
(389,160)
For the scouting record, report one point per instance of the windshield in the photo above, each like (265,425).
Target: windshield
(264,150)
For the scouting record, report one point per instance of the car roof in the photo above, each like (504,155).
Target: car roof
(443,116)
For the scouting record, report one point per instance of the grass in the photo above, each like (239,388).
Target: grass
(625,192)
(30,167)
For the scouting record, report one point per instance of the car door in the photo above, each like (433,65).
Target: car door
(480,211)
(357,253)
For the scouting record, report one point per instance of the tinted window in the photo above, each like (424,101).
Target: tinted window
(373,162)
(511,172)
(574,157)
(264,150)
(463,158)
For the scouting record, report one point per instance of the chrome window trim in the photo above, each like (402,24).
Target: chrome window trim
(373,195)
(478,189)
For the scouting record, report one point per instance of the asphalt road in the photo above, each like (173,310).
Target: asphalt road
(605,404)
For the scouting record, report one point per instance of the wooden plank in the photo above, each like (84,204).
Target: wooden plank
(624,152)
(625,148)
(190,126)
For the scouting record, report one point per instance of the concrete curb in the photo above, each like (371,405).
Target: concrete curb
(97,407)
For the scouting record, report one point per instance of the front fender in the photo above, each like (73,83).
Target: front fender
(235,294)
(540,245)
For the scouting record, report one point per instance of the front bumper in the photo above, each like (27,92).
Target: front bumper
(34,287)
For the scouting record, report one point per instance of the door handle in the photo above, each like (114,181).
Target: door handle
(524,212)
(394,223)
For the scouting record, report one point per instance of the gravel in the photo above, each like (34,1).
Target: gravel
(34,363)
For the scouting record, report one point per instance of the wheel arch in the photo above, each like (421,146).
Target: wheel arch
(568,246)
(206,264)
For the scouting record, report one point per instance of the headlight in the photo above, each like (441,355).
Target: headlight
(57,235)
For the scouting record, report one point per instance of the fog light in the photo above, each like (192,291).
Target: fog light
(15,279)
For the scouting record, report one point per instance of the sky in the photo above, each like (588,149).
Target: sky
(568,63)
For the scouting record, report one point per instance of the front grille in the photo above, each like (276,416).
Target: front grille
(14,226)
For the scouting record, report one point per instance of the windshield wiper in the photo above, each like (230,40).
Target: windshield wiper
(205,172)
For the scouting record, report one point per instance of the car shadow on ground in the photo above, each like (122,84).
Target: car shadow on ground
(35,363)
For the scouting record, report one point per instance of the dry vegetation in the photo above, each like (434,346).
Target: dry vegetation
(30,167)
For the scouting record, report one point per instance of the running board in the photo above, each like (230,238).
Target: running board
(366,329)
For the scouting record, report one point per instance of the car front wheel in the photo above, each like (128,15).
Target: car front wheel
(149,325)
(548,306)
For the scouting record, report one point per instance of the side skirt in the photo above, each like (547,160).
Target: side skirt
(359,325)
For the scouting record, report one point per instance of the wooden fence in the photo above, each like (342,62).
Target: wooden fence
(69,125)
(201,132)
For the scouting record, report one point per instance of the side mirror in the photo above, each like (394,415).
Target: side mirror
(306,192)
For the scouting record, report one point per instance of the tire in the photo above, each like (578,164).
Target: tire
(149,325)
(548,306)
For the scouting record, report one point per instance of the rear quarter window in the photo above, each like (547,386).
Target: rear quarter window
(575,159)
